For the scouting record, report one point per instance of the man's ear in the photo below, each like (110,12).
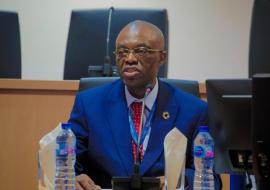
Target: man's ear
(163,56)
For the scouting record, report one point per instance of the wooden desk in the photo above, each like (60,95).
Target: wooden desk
(28,110)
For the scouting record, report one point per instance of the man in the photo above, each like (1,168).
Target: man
(103,118)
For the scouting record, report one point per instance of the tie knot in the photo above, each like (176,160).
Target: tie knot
(136,107)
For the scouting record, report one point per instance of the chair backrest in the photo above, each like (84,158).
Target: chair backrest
(10,46)
(189,86)
(86,43)
(259,42)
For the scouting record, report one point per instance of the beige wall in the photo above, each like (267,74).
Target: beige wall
(208,38)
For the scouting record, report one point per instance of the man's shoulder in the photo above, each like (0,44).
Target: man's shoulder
(100,91)
(184,98)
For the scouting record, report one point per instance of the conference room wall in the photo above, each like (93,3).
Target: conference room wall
(208,38)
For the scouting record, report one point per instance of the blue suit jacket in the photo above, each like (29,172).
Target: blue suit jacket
(100,122)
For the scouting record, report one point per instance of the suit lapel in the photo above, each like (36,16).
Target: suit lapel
(117,114)
(161,125)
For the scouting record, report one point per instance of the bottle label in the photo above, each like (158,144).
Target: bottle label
(198,151)
(203,152)
(63,149)
(209,154)
(71,151)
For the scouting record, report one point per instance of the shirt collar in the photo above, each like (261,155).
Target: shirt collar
(149,100)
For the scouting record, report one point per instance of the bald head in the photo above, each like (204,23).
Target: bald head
(142,29)
(139,54)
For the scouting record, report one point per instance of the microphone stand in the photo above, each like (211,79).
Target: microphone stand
(136,181)
(136,178)
(105,70)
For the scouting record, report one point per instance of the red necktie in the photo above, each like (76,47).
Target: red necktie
(136,116)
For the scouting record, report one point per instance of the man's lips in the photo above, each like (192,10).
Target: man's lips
(130,72)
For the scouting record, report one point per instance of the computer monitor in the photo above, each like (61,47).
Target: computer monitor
(229,102)
(260,128)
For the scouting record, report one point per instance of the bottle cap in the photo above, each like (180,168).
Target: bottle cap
(204,128)
(66,125)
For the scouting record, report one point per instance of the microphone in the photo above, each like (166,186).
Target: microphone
(148,89)
(107,69)
(136,178)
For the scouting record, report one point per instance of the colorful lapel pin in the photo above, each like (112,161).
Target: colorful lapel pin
(165,115)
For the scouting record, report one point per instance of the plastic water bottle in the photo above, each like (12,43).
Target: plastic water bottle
(65,159)
(203,152)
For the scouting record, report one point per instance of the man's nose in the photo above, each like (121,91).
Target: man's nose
(131,58)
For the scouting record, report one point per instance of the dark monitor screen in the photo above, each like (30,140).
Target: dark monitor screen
(229,102)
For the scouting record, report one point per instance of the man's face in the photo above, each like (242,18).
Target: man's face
(137,68)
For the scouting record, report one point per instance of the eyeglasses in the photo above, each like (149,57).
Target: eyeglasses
(138,52)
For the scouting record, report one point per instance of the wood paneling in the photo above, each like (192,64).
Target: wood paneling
(28,110)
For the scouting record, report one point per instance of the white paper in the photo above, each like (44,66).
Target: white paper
(175,145)
(46,156)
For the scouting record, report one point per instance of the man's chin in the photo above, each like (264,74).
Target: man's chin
(130,81)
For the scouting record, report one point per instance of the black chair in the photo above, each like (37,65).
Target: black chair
(189,86)
(86,43)
(259,45)
(10,46)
